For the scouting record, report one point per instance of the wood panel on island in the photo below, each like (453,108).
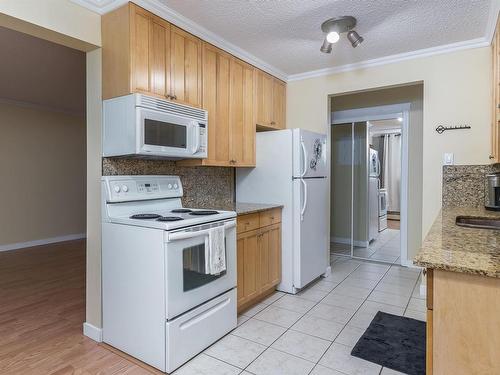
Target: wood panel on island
(143,53)
(259,256)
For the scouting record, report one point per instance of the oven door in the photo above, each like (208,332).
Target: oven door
(166,135)
(187,283)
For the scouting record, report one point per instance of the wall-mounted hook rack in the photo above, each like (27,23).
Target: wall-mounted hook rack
(441,129)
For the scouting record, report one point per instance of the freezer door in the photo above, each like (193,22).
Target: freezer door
(309,154)
(310,230)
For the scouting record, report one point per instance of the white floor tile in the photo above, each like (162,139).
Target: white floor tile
(333,313)
(322,328)
(339,358)
(274,362)
(206,365)
(369,309)
(360,283)
(360,274)
(416,315)
(350,335)
(294,303)
(343,301)
(394,288)
(398,280)
(236,351)
(242,319)
(259,331)
(384,257)
(351,291)
(389,298)
(314,295)
(254,310)
(282,317)
(417,305)
(301,345)
(322,370)
(273,298)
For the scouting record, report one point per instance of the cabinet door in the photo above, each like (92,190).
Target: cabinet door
(248,266)
(264,259)
(186,72)
(264,98)
(159,57)
(216,79)
(140,20)
(242,124)
(495,121)
(279,103)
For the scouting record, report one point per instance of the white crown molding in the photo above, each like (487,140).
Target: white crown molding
(154,6)
(468,44)
(185,23)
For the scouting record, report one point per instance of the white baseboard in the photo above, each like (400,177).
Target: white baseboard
(92,332)
(44,241)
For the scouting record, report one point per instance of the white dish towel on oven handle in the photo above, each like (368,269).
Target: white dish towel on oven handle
(215,262)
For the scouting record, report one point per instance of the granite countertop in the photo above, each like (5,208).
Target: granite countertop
(459,249)
(243,208)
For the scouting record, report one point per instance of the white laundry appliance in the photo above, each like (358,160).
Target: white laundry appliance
(291,170)
(162,302)
(373,194)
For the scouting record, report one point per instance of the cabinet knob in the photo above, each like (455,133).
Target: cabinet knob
(491,157)
(273,123)
(174,97)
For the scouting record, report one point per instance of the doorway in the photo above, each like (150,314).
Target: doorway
(369,174)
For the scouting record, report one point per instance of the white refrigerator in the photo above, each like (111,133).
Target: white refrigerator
(291,170)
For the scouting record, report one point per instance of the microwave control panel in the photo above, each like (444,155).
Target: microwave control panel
(203,137)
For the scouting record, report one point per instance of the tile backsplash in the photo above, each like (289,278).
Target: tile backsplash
(204,187)
(464,185)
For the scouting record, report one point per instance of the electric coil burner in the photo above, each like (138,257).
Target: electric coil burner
(181,210)
(145,216)
(204,212)
(170,218)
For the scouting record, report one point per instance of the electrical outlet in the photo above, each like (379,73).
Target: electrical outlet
(448,159)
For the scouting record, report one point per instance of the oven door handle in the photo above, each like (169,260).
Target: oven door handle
(191,234)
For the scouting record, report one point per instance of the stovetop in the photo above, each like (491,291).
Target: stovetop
(173,219)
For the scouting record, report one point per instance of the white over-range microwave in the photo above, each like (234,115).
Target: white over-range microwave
(143,126)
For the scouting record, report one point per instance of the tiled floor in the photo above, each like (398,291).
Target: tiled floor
(315,331)
(386,248)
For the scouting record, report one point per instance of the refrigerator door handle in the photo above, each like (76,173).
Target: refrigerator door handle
(304,152)
(305,200)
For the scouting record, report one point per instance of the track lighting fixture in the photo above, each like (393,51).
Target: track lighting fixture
(334,27)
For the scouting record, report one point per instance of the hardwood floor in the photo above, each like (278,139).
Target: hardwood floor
(42,310)
(393,224)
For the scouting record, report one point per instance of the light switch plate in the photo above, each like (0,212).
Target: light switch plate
(448,159)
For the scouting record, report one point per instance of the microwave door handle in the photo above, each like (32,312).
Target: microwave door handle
(189,234)
(196,129)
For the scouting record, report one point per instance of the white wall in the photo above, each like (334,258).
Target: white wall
(457,90)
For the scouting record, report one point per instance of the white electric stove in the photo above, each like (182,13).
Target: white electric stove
(160,304)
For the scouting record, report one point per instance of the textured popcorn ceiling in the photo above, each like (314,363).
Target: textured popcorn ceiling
(287,35)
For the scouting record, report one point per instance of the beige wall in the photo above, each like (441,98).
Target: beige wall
(412,94)
(42,159)
(456,91)
(60,21)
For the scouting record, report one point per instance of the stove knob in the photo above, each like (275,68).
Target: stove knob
(125,188)
(169,186)
(116,189)
(176,186)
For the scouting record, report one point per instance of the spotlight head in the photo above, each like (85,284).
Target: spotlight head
(354,38)
(326,47)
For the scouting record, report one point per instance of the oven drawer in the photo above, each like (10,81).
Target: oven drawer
(199,328)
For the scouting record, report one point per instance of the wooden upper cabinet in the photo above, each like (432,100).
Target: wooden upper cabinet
(495,120)
(270,102)
(279,104)
(264,98)
(144,53)
(242,114)
(186,75)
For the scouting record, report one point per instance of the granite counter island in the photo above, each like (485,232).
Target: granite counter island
(463,294)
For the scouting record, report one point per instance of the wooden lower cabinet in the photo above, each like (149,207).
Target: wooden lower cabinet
(259,259)
(463,325)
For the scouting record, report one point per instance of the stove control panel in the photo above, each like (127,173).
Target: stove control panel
(136,188)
